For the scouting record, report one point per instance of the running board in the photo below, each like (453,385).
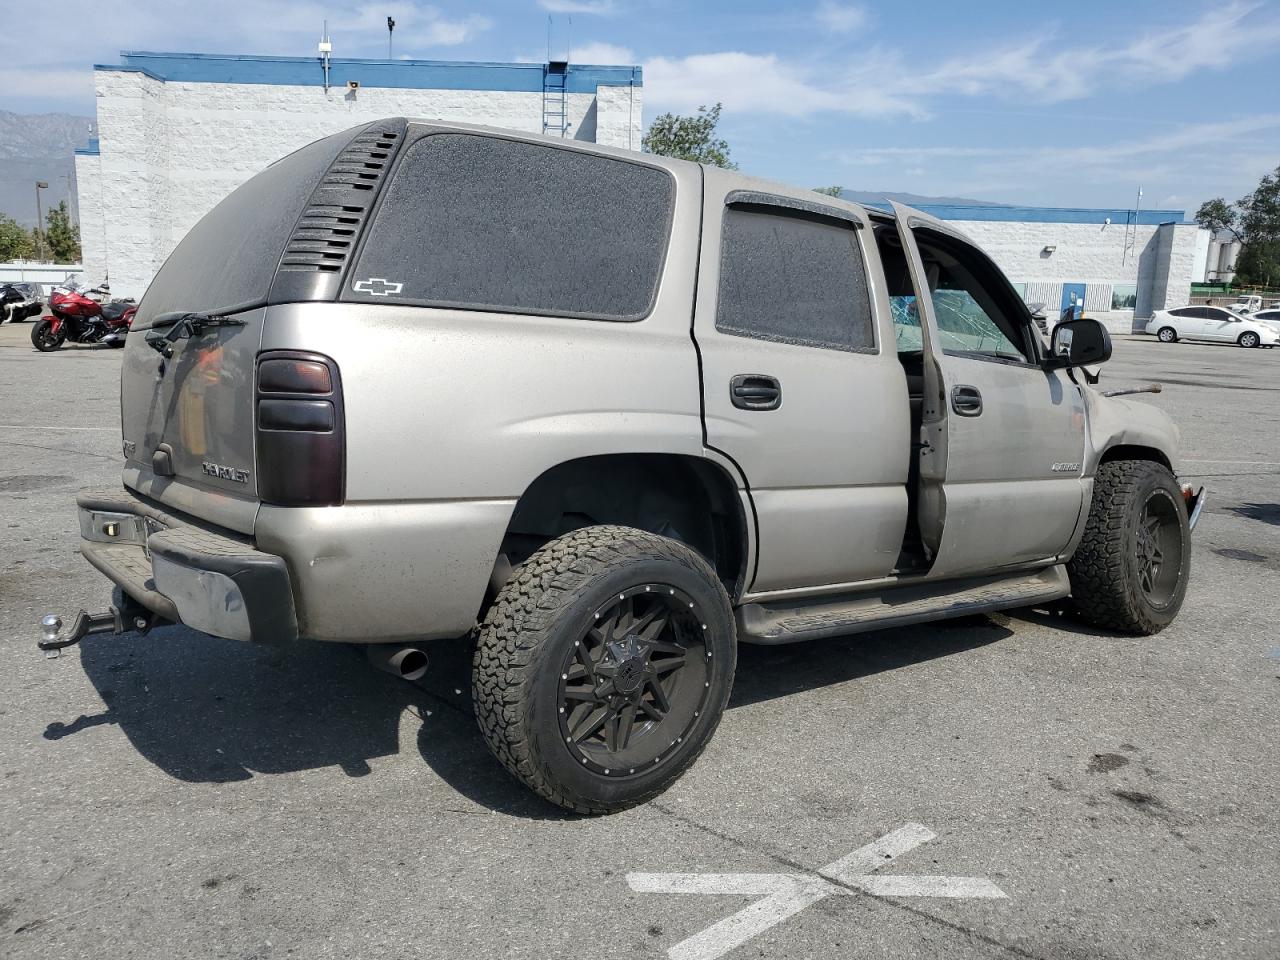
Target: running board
(818,619)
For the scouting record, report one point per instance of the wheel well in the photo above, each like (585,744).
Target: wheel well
(686,498)
(1133,451)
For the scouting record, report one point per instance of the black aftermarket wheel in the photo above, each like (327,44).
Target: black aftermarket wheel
(1131,569)
(603,667)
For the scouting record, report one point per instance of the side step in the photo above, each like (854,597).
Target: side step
(825,617)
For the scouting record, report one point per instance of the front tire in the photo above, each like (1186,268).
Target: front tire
(1167,335)
(1131,569)
(603,667)
(44,339)
(1249,339)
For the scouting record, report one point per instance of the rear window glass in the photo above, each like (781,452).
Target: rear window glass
(792,279)
(229,257)
(484,223)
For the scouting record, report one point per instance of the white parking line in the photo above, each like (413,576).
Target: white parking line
(786,894)
(40,426)
(1252,463)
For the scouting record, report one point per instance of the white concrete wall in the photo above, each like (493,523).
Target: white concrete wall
(171,150)
(93,235)
(1161,263)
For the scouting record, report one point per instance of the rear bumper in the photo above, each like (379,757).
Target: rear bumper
(209,581)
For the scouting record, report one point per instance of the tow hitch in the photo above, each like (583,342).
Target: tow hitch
(112,620)
(1195,503)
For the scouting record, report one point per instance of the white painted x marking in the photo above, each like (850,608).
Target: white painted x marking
(786,894)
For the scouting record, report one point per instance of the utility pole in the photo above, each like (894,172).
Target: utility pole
(391,26)
(73,202)
(40,185)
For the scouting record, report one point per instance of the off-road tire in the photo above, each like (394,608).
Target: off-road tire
(533,624)
(1105,589)
(1172,335)
(1248,339)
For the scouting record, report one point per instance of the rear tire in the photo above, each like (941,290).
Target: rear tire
(1249,339)
(44,339)
(1131,569)
(1167,335)
(567,658)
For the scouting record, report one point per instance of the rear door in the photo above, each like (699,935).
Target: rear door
(1012,490)
(1188,321)
(801,383)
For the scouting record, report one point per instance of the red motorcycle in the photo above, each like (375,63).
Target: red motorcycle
(83,317)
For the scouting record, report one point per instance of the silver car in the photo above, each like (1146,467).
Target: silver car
(610,415)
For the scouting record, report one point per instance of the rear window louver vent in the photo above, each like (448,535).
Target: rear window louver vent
(330,225)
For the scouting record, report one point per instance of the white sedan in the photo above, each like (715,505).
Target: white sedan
(1211,323)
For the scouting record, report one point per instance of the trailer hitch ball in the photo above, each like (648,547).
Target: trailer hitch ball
(51,626)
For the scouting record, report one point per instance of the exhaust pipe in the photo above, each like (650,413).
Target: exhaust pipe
(407,663)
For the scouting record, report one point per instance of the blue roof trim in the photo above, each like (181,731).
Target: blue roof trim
(401,74)
(92,150)
(1050,214)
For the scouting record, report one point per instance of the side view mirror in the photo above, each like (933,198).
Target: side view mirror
(1077,343)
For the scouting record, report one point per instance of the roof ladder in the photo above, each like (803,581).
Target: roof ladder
(555,112)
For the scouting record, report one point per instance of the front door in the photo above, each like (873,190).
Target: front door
(801,383)
(1011,490)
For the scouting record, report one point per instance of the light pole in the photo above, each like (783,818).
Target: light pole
(391,26)
(40,185)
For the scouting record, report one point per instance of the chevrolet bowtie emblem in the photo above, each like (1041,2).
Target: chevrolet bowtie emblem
(377,287)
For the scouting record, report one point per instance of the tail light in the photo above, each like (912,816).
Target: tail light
(301,432)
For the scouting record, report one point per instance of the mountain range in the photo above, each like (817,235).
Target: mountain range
(38,146)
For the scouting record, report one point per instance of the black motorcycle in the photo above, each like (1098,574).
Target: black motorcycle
(20,302)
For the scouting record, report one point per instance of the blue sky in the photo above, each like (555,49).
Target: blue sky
(1067,104)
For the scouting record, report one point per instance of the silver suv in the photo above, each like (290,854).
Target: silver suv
(610,415)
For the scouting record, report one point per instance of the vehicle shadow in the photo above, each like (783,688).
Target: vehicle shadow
(206,710)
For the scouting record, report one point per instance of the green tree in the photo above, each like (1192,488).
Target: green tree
(829,191)
(1259,260)
(62,237)
(1217,215)
(689,138)
(16,242)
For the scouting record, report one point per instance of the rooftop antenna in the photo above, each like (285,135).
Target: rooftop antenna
(326,48)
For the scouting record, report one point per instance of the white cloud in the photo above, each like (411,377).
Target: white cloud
(766,83)
(840,17)
(1044,69)
(597,7)
(885,82)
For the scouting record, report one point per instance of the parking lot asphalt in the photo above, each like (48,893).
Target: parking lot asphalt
(183,796)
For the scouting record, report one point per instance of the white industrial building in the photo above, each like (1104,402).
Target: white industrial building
(1122,263)
(179,131)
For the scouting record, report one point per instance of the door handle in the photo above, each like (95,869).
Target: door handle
(755,391)
(966,400)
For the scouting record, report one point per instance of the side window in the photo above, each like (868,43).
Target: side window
(791,277)
(975,315)
(483,223)
(1186,313)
